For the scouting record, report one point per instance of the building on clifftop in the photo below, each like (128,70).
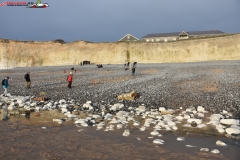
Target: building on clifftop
(174,36)
(128,38)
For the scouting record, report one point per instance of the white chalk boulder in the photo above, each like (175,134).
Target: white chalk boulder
(232,131)
(220,143)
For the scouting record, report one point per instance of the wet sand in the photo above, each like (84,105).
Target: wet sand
(24,138)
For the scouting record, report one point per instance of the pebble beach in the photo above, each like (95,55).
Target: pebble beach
(177,105)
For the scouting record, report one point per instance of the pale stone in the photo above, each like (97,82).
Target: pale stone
(221,130)
(180,139)
(201,126)
(220,143)
(158,141)
(229,121)
(171,123)
(116,107)
(225,112)
(179,118)
(232,131)
(175,128)
(204,149)
(142,128)
(119,126)
(190,146)
(200,109)
(126,132)
(154,133)
(186,117)
(215,151)
(136,123)
(161,109)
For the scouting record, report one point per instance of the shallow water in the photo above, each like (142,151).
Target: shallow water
(25,137)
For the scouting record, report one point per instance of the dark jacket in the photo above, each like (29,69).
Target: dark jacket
(5,83)
(27,77)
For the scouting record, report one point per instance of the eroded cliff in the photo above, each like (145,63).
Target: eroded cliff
(17,53)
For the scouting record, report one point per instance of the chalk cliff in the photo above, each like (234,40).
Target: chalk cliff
(31,53)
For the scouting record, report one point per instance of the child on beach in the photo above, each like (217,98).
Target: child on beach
(69,79)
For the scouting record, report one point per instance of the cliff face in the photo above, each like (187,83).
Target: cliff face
(16,53)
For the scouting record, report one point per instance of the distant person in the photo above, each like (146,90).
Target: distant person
(64,71)
(27,78)
(5,86)
(133,68)
(69,79)
(75,70)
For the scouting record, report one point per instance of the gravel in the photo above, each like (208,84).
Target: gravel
(213,85)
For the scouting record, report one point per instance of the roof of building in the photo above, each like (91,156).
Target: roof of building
(189,33)
(129,37)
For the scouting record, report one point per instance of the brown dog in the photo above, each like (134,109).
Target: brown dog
(127,96)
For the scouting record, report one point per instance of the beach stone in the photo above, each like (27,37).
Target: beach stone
(232,131)
(190,146)
(141,109)
(87,106)
(180,139)
(220,143)
(198,121)
(119,126)
(126,132)
(204,149)
(62,101)
(200,109)
(154,133)
(221,130)
(216,117)
(225,112)
(179,118)
(136,123)
(175,128)
(71,115)
(201,115)
(229,121)
(186,117)
(201,126)
(162,109)
(142,128)
(215,151)
(158,141)
(117,106)
(171,123)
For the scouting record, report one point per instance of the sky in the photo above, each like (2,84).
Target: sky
(110,20)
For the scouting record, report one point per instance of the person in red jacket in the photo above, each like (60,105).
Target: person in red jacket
(69,79)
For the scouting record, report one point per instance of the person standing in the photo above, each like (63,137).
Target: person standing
(69,79)
(27,78)
(5,86)
(133,69)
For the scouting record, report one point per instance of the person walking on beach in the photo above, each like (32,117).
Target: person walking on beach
(133,68)
(69,79)
(5,86)
(27,78)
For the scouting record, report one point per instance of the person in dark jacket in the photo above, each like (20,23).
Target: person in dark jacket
(5,86)
(27,78)
(69,79)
